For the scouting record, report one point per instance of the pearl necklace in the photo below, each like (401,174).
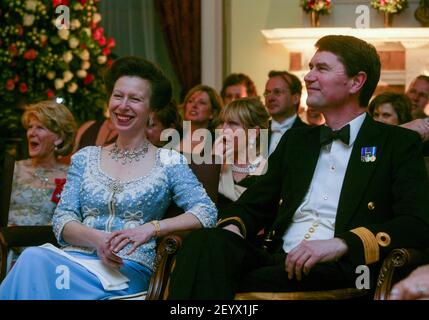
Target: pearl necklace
(248,169)
(126,155)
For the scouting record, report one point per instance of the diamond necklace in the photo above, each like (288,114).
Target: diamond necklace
(126,155)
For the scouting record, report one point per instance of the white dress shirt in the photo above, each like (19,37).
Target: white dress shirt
(315,217)
(277,131)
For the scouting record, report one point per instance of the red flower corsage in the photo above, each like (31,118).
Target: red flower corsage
(56,195)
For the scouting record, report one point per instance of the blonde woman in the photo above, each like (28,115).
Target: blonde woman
(240,143)
(37,181)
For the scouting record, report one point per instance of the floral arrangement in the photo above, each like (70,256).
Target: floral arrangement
(390,6)
(41,60)
(320,6)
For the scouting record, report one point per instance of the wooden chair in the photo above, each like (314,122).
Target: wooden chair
(23,236)
(396,266)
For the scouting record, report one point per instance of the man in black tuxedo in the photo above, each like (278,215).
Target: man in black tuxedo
(282,99)
(346,193)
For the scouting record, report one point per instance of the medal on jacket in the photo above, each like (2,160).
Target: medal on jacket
(368,154)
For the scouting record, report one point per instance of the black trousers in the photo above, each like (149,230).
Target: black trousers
(216,264)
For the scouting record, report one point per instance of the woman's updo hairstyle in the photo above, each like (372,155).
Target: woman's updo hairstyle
(160,86)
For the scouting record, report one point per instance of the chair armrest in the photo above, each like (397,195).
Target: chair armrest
(22,236)
(164,260)
(396,266)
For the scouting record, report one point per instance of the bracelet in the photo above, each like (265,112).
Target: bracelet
(157,226)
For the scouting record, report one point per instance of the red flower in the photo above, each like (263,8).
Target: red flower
(102,41)
(30,54)
(16,79)
(82,2)
(88,79)
(106,51)
(111,43)
(109,62)
(10,84)
(50,93)
(56,3)
(97,34)
(56,195)
(23,87)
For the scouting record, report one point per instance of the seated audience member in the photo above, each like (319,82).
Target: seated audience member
(346,194)
(236,86)
(282,99)
(95,133)
(314,117)
(201,106)
(243,118)
(418,92)
(413,287)
(113,202)
(390,108)
(164,119)
(37,181)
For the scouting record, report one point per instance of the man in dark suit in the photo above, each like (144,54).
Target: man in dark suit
(282,98)
(346,193)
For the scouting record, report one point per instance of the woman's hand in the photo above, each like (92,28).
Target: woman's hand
(223,147)
(105,253)
(117,240)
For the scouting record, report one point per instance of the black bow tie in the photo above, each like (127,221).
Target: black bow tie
(327,135)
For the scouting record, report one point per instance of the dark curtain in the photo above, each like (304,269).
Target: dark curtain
(181,23)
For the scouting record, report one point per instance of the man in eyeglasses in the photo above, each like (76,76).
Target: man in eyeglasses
(282,98)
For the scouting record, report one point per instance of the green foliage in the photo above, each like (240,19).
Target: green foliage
(40,61)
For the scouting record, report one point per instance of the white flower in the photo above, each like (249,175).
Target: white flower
(67,56)
(64,34)
(87,31)
(85,65)
(67,75)
(84,54)
(81,74)
(50,75)
(72,87)
(31,5)
(28,19)
(75,24)
(77,6)
(101,59)
(73,42)
(59,84)
(96,18)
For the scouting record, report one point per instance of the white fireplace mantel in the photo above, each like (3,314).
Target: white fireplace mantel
(414,41)
(293,38)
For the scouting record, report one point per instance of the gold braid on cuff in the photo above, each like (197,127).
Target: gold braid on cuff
(235,221)
(370,244)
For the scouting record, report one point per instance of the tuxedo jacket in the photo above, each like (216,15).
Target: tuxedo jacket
(384,204)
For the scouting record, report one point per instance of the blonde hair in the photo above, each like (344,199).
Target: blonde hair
(57,118)
(250,112)
(215,101)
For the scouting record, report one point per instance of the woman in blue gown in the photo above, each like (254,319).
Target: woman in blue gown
(112,205)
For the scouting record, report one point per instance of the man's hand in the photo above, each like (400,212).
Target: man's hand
(413,287)
(421,126)
(305,256)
